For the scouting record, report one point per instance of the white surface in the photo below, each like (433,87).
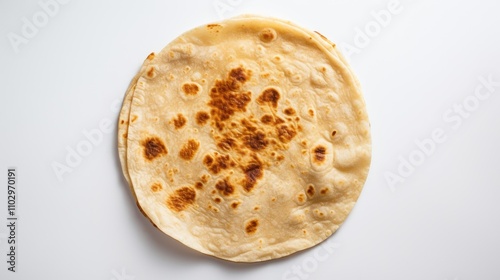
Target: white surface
(440,223)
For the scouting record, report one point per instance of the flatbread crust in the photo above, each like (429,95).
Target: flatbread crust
(247,139)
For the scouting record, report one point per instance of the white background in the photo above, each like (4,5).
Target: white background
(441,223)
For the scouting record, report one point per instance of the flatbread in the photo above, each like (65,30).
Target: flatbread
(247,139)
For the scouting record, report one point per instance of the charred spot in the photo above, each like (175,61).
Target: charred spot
(224,187)
(267,35)
(334,132)
(198,185)
(181,199)
(227,144)
(153,147)
(235,204)
(190,88)
(285,134)
(256,141)
(310,190)
(324,191)
(179,121)
(251,226)
(253,172)
(156,187)
(202,117)
(269,95)
(189,149)
(319,154)
(289,111)
(217,200)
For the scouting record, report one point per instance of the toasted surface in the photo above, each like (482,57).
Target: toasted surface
(247,139)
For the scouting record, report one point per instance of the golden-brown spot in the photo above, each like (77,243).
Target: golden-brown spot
(179,121)
(122,121)
(227,144)
(269,119)
(301,198)
(253,171)
(217,200)
(334,132)
(269,95)
(134,118)
(255,141)
(202,117)
(156,187)
(181,199)
(273,199)
(311,112)
(213,192)
(324,190)
(189,149)
(235,204)
(151,56)
(190,88)
(319,154)
(280,157)
(251,226)
(310,190)
(267,35)
(124,135)
(198,185)
(285,133)
(289,111)
(153,147)
(151,72)
(256,208)
(219,163)
(266,119)
(226,96)
(225,187)
(204,178)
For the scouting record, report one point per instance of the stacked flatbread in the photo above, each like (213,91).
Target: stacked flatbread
(247,139)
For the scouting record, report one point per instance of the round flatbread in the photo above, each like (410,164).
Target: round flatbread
(247,139)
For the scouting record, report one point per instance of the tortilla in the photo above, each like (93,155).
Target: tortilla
(247,139)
